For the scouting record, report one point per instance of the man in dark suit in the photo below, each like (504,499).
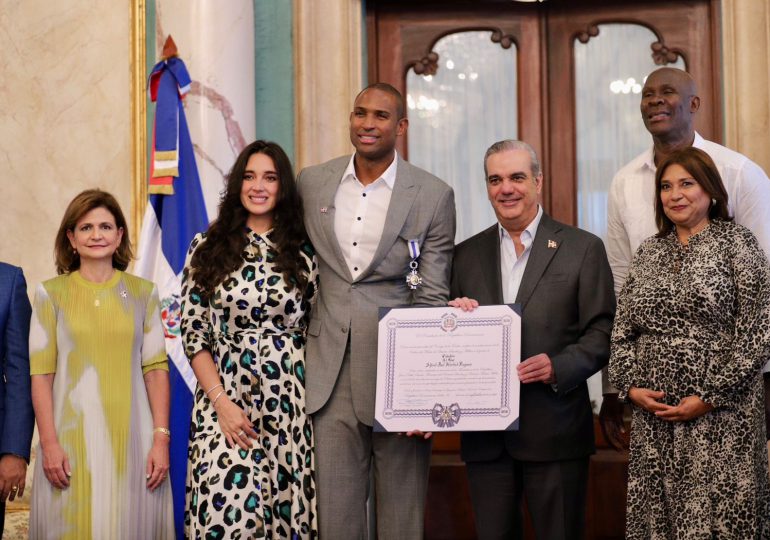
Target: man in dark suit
(562,280)
(362,213)
(16,415)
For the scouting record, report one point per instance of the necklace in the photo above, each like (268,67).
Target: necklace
(101,291)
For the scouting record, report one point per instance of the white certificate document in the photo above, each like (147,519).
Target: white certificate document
(443,369)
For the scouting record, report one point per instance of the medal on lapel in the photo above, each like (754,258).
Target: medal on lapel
(413,279)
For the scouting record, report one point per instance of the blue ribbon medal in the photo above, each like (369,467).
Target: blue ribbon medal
(413,279)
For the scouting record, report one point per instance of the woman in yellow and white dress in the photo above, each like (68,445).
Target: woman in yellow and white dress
(99,387)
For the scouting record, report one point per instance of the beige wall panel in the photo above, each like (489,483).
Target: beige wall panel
(328,75)
(746,57)
(64,118)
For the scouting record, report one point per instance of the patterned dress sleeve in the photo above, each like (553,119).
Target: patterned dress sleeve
(154,342)
(196,328)
(751,335)
(622,367)
(43,349)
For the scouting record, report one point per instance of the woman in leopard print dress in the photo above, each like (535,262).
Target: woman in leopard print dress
(247,289)
(691,334)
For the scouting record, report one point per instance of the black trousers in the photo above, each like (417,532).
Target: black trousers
(555,492)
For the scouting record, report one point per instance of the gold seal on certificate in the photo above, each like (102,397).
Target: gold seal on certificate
(443,369)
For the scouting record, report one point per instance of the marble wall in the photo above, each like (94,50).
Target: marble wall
(64,118)
(64,127)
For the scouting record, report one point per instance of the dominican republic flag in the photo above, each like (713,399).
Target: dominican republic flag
(175,214)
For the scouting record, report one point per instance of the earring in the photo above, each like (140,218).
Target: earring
(713,202)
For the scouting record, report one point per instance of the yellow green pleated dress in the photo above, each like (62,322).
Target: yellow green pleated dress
(99,339)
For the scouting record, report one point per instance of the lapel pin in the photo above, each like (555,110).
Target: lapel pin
(324,209)
(552,244)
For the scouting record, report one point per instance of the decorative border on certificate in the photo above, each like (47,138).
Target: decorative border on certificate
(442,359)
(449,323)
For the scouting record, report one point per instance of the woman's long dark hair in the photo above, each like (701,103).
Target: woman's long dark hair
(222,252)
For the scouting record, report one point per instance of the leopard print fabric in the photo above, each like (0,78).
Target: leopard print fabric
(254,327)
(695,320)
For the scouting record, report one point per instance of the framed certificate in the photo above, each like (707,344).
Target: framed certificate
(443,369)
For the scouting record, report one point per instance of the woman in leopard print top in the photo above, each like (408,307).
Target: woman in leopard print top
(691,334)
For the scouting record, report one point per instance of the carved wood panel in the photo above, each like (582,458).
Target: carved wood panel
(401,36)
(684,28)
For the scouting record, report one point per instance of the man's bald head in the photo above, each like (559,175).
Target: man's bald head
(675,74)
(668,106)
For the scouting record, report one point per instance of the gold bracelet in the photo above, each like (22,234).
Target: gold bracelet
(165,431)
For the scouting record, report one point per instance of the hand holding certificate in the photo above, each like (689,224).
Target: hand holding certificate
(443,369)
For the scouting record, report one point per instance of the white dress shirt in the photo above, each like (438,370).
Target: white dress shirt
(359,215)
(631,210)
(511,266)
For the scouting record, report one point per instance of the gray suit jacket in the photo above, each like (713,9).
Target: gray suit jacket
(421,207)
(568,305)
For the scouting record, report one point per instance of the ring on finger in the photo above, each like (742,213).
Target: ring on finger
(15,488)
(241,433)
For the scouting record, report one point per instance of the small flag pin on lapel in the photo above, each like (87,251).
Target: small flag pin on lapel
(552,244)
(324,209)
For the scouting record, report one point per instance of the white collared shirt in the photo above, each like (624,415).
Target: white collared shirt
(511,266)
(359,215)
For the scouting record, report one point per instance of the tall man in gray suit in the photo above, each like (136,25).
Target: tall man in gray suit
(362,213)
(561,278)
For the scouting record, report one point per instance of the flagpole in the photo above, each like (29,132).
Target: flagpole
(174,214)
(138,54)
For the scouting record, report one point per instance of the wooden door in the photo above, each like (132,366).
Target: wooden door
(401,36)
(688,29)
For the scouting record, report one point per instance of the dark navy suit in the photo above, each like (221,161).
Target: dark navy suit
(16,415)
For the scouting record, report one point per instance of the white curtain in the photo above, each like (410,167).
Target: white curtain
(456,114)
(609,74)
